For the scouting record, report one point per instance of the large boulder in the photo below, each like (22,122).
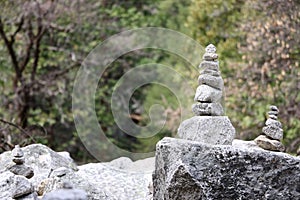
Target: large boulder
(42,159)
(193,170)
(102,181)
(207,129)
(120,179)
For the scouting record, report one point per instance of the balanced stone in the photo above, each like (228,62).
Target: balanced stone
(273,113)
(210,72)
(212,65)
(208,129)
(273,117)
(273,132)
(213,81)
(274,108)
(273,122)
(269,144)
(18,155)
(210,56)
(22,170)
(206,93)
(210,109)
(210,48)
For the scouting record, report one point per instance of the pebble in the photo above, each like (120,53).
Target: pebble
(269,144)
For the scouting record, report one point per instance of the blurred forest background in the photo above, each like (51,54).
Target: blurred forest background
(43,42)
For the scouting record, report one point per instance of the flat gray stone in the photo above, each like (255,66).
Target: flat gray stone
(212,65)
(205,93)
(273,122)
(210,56)
(22,187)
(188,170)
(210,72)
(269,144)
(273,132)
(207,129)
(22,170)
(213,81)
(207,109)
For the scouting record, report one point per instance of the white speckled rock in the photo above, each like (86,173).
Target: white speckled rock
(189,170)
(209,109)
(207,129)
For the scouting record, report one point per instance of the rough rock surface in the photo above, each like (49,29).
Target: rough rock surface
(101,181)
(193,170)
(207,129)
(120,179)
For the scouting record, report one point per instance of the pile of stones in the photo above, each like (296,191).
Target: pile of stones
(272,133)
(209,125)
(209,92)
(23,188)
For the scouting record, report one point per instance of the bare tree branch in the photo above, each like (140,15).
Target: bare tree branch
(11,51)
(19,128)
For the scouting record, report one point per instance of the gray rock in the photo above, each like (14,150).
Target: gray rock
(210,48)
(269,144)
(274,108)
(206,93)
(298,152)
(210,56)
(273,122)
(193,170)
(213,81)
(22,170)
(273,132)
(6,184)
(17,152)
(208,109)
(241,144)
(210,72)
(273,117)
(209,65)
(41,159)
(101,181)
(59,172)
(67,193)
(273,113)
(22,187)
(32,196)
(207,129)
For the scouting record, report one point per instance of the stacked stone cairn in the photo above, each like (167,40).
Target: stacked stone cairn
(23,187)
(272,132)
(209,125)
(209,92)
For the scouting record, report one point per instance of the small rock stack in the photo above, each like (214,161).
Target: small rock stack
(23,187)
(209,92)
(19,168)
(272,133)
(209,125)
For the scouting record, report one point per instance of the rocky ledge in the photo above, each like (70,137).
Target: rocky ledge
(119,179)
(186,169)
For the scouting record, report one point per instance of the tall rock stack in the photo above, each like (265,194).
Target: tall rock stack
(209,92)
(272,132)
(209,125)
